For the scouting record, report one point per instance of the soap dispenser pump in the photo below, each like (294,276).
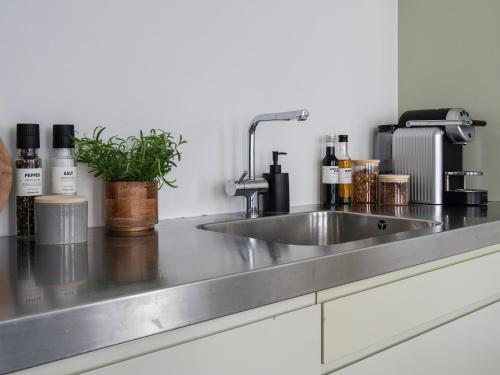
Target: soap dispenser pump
(277,198)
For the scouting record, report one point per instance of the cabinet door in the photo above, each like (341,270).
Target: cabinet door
(469,345)
(369,321)
(285,344)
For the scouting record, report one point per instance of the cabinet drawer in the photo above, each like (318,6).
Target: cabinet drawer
(284,344)
(468,345)
(379,317)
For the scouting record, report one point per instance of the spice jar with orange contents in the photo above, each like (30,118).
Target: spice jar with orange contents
(364,180)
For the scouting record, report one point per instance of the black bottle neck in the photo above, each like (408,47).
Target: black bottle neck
(330,150)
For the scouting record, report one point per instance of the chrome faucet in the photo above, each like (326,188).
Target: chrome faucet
(250,186)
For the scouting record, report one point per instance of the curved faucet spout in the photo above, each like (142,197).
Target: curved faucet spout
(300,115)
(250,186)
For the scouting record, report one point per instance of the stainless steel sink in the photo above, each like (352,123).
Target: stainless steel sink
(318,228)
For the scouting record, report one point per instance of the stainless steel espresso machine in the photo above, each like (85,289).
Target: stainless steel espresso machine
(428,145)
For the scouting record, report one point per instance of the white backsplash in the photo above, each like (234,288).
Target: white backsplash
(203,69)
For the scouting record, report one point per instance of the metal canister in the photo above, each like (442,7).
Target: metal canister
(61,219)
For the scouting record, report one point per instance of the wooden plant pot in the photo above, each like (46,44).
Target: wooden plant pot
(131,206)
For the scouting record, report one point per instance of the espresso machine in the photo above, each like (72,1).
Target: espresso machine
(428,145)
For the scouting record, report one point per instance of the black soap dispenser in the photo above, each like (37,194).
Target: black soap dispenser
(277,199)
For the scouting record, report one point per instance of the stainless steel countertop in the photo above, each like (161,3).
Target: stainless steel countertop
(60,301)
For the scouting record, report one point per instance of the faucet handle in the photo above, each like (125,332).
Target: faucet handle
(236,187)
(245,186)
(240,180)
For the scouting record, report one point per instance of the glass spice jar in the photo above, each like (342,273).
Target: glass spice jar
(364,180)
(394,189)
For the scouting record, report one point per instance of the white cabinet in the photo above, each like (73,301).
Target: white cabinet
(284,337)
(285,344)
(469,345)
(364,319)
(358,325)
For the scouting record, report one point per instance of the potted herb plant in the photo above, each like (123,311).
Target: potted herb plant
(134,169)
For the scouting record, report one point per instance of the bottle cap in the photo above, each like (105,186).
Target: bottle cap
(28,136)
(62,136)
(330,138)
(343,138)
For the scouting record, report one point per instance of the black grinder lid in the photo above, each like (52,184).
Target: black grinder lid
(28,136)
(62,136)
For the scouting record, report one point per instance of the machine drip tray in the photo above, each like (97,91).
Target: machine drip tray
(466,197)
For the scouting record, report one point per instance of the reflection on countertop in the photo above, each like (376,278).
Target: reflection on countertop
(49,275)
(38,278)
(133,257)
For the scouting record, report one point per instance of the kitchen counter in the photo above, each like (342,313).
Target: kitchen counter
(60,301)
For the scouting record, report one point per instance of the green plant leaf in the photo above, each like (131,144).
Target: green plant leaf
(146,157)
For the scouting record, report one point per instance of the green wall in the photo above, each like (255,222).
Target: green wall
(449,55)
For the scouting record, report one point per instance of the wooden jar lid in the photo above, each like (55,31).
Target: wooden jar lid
(60,199)
(366,161)
(395,178)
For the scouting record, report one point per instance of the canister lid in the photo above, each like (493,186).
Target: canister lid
(393,178)
(60,199)
(367,161)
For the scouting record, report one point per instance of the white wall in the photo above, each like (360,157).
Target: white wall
(203,69)
(449,56)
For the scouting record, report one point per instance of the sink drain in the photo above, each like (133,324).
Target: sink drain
(382,225)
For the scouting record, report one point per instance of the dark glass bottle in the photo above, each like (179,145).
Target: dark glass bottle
(329,173)
(28,178)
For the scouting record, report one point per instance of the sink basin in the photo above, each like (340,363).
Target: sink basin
(318,228)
